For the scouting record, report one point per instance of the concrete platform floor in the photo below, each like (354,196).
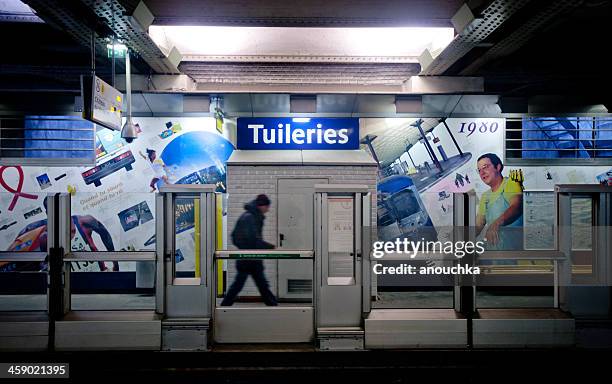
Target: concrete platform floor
(385,300)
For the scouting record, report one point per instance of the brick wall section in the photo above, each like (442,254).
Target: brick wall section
(244,182)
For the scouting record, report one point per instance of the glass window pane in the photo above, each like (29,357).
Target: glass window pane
(132,289)
(604,137)
(23,286)
(102,222)
(187,237)
(582,234)
(561,137)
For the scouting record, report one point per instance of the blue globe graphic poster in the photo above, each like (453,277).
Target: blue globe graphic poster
(197,158)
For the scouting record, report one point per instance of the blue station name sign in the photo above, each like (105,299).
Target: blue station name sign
(298,133)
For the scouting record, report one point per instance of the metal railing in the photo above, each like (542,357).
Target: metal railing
(263,254)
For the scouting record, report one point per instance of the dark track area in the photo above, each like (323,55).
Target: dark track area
(277,367)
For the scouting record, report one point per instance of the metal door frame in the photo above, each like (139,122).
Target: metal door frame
(322,289)
(185,297)
(601,198)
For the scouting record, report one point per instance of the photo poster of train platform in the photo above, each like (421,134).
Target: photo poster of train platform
(113,201)
(422,163)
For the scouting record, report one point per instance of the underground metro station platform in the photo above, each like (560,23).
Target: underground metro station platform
(273,191)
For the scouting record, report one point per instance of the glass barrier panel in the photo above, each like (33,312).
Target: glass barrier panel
(129,289)
(582,239)
(253,281)
(514,297)
(187,237)
(111,220)
(415,222)
(23,286)
(282,227)
(23,228)
(418,298)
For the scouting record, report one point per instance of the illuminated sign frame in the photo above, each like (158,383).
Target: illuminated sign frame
(102,104)
(266,133)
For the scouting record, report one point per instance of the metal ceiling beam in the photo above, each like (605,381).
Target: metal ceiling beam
(131,26)
(472,31)
(317,13)
(80,17)
(522,34)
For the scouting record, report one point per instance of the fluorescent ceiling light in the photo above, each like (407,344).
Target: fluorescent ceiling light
(18,11)
(197,42)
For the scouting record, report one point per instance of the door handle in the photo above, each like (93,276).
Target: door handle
(281,237)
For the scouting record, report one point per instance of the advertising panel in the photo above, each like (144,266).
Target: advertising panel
(113,201)
(102,103)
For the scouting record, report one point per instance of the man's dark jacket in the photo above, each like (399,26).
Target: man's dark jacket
(247,233)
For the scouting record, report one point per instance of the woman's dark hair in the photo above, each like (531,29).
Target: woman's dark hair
(495,160)
(149,153)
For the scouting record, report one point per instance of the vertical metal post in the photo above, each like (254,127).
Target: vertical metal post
(128,83)
(366,264)
(564,241)
(419,124)
(92,48)
(199,230)
(357,209)
(316,262)
(54,262)
(459,234)
(465,288)
(64,231)
(160,287)
(113,63)
(555,284)
(443,121)
(368,141)
(169,252)
(113,44)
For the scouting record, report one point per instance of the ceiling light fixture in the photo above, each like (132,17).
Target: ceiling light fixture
(202,41)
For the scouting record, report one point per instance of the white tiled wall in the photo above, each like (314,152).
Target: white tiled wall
(244,183)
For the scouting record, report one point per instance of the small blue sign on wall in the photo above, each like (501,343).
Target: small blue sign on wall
(298,133)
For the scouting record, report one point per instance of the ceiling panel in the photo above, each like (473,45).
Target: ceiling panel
(299,73)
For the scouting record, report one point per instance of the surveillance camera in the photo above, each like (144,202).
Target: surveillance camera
(129,131)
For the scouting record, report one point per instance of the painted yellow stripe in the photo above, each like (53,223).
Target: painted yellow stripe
(219,226)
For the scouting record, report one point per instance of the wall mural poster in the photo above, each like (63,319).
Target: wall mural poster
(421,171)
(113,201)
(605,178)
(441,158)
